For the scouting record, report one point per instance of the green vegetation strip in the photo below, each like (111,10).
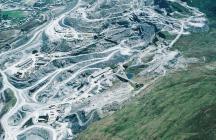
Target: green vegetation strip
(199,45)
(12,14)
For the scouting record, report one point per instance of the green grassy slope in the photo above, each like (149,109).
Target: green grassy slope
(199,45)
(13,14)
(180,106)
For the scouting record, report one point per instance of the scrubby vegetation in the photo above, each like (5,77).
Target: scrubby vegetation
(13,14)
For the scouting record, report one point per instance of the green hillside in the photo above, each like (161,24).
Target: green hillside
(12,14)
(180,106)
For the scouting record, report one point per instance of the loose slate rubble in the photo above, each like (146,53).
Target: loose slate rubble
(73,69)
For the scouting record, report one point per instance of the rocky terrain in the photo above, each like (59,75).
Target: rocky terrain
(83,63)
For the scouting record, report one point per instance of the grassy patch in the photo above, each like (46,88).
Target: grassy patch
(206,6)
(13,14)
(199,45)
(177,7)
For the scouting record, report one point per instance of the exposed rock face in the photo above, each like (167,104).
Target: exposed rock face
(73,68)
